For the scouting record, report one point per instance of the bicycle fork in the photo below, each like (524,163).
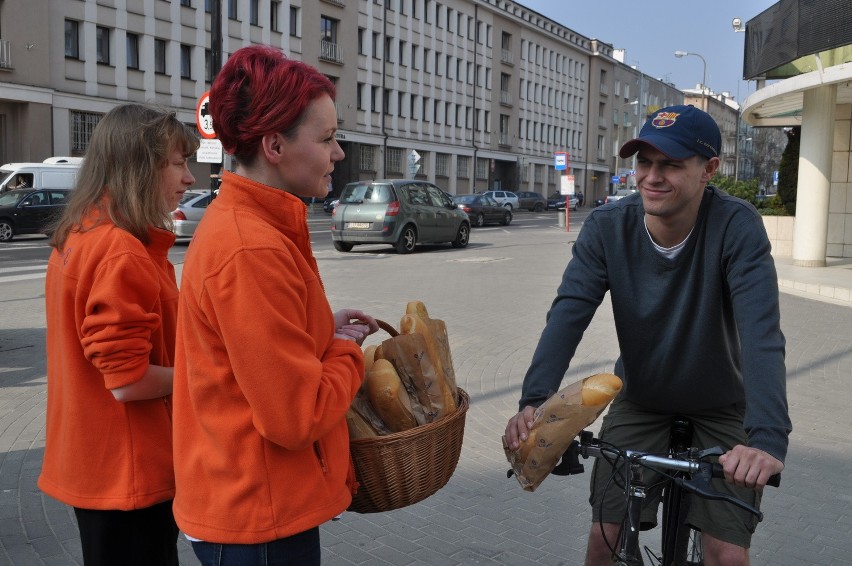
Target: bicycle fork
(629,553)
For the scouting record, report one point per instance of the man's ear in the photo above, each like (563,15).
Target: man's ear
(710,168)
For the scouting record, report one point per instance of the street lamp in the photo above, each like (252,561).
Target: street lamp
(618,133)
(737,156)
(704,76)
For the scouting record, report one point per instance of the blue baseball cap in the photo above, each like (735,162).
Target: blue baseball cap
(679,132)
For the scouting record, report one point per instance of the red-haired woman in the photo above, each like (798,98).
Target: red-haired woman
(264,371)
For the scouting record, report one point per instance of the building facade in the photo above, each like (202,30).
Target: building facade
(485,92)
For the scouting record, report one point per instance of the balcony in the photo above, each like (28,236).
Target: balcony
(505,98)
(507,56)
(330,51)
(504,139)
(5,54)
(340,3)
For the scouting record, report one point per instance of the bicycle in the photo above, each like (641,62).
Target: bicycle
(685,471)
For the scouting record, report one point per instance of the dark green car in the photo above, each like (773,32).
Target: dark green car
(399,212)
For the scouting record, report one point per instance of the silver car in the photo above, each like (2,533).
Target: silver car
(189,212)
(399,212)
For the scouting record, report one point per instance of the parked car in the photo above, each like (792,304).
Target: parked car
(505,198)
(482,209)
(534,202)
(329,203)
(189,211)
(620,194)
(400,212)
(557,201)
(30,211)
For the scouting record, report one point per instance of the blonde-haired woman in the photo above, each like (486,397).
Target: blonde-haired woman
(111,303)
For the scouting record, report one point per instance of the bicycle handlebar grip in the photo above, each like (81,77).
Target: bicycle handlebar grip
(774,480)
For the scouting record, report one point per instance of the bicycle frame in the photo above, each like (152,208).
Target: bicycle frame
(693,476)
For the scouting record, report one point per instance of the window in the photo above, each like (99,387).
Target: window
(82,126)
(374,98)
(368,158)
(376,43)
(360,101)
(361,41)
(295,28)
(102,44)
(186,3)
(463,167)
(254,9)
(274,10)
(401,54)
(388,50)
(208,65)
(72,39)
(328,29)
(160,56)
(442,165)
(186,61)
(481,168)
(132,51)
(232,10)
(394,160)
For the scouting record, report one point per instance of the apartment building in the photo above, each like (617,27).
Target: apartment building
(484,91)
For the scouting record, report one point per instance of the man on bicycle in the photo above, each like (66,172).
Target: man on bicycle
(694,295)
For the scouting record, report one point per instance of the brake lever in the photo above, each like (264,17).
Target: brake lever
(700,485)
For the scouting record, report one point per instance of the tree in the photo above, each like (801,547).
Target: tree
(788,171)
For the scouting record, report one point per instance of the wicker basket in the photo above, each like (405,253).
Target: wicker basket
(400,469)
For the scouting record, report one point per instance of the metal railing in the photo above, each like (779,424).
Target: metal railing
(505,97)
(340,3)
(507,56)
(5,54)
(330,52)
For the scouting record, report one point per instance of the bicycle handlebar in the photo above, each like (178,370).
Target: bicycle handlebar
(699,471)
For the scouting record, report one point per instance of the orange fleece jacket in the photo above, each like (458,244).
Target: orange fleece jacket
(111,305)
(261,386)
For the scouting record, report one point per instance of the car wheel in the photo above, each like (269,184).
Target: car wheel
(479,222)
(538,207)
(462,236)
(342,246)
(6,231)
(507,218)
(407,240)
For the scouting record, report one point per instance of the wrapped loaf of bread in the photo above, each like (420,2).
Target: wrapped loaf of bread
(557,421)
(388,397)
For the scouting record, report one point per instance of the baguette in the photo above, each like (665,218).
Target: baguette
(388,396)
(413,324)
(358,425)
(557,421)
(369,357)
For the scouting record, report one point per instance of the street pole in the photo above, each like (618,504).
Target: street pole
(215,67)
(703,76)
(618,136)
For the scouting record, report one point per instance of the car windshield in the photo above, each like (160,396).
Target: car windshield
(11,198)
(374,193)
(464,199)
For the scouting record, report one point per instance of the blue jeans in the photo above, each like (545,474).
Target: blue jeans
(302,549)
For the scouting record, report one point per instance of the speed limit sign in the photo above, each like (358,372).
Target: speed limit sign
(203,119)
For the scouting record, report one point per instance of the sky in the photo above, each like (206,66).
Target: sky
(652,30)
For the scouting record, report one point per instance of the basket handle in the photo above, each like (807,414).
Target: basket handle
(387,328)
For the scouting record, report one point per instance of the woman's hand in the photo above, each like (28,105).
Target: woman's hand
(355,325)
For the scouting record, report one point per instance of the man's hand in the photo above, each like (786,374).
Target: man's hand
(518,428)
(749,467)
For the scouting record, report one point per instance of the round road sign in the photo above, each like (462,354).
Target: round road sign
(203,119)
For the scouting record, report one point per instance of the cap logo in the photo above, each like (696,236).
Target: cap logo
(665,119)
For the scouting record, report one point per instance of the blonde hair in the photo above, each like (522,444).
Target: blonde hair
(129,147)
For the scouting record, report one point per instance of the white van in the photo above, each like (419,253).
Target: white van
(53,173)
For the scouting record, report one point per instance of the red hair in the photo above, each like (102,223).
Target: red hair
(260,91)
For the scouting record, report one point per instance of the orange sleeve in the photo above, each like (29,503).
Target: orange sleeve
(119,318)
(278,330)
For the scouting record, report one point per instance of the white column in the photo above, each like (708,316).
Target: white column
(817,145)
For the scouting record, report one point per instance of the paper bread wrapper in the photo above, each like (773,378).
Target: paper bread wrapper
(557,421)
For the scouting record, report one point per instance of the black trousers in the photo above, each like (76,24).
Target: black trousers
(141,537)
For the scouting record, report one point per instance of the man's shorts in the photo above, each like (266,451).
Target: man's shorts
(632,427)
